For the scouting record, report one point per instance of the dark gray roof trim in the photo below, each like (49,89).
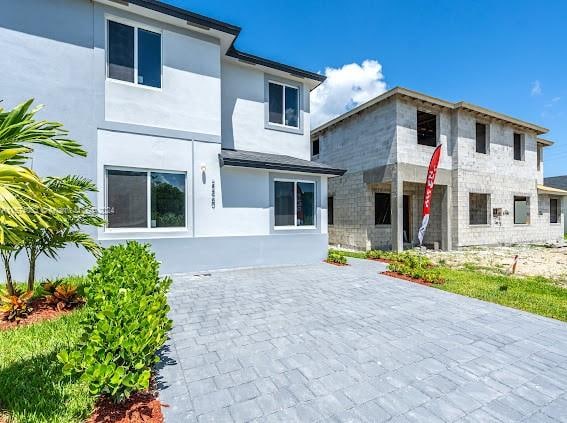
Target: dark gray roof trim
(246,57)
(257,160)
(203,21)
(556,182)
(177,12)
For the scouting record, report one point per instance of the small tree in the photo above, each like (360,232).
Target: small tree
(26,203)
(60,233)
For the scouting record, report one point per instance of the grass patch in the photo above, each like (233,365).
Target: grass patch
(534,294)
(32,388)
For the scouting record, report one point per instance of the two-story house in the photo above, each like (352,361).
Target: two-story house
(489,186)
(197,148)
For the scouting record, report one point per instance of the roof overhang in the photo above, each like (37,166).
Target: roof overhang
(256,160)
(542,189)
(226,33)
(545,143)
(404,93)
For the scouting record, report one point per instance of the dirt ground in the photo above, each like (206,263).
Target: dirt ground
(532,260)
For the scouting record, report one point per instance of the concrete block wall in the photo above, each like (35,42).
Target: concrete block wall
(363,142)
(351,211)
(499,175)
(407,148)
(386,134)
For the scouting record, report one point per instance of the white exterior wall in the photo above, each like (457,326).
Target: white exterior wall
(244,103)
(60,59)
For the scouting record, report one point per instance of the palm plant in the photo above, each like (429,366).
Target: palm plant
(59,233)
(26,203)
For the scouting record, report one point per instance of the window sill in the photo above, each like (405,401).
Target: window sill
(133,84)
(143,233)
(283,128)
(293,228)
(479,225)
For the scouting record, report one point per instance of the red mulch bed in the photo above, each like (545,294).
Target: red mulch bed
(142,407)
(407,278)
(381,260)
(41,311)
(336,264)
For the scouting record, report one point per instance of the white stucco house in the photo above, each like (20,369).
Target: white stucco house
(197,148)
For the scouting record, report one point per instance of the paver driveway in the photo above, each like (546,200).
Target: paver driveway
(326,343)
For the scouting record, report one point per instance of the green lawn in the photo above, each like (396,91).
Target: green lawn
(534,294)
(31,386)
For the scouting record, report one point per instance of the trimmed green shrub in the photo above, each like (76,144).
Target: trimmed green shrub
(125,323)
(336,257)
(410,264)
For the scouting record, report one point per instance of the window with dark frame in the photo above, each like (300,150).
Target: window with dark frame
(518,147)
(478,208)
(481,138)
(294,203)
(315,147)
(521,211)
(141,67)
(128,192)
(331,210)
(539,156)
(382,209)
(283,104)
(426,128)
(553,210)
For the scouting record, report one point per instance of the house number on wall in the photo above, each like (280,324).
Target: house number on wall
(213,201)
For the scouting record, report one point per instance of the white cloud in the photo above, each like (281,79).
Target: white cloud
(536,88)
(344,89)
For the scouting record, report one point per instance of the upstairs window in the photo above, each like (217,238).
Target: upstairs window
(382,209)
(518,147)
(294,203)
(553,210)
(481,138)
(521,211)
(134,55)
(426,129)
(283,104)
(315,147)
(539,156)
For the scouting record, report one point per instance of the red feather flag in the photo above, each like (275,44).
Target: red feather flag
(428,194)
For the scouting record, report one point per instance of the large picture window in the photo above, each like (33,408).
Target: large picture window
(144,199)
(294,203)
(283,104)
(134,54)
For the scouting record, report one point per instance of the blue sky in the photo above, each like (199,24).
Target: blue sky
(510,56)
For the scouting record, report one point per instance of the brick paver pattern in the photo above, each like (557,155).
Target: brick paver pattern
(345,344)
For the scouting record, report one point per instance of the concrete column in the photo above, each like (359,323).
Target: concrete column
(446,205)
(397,200)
